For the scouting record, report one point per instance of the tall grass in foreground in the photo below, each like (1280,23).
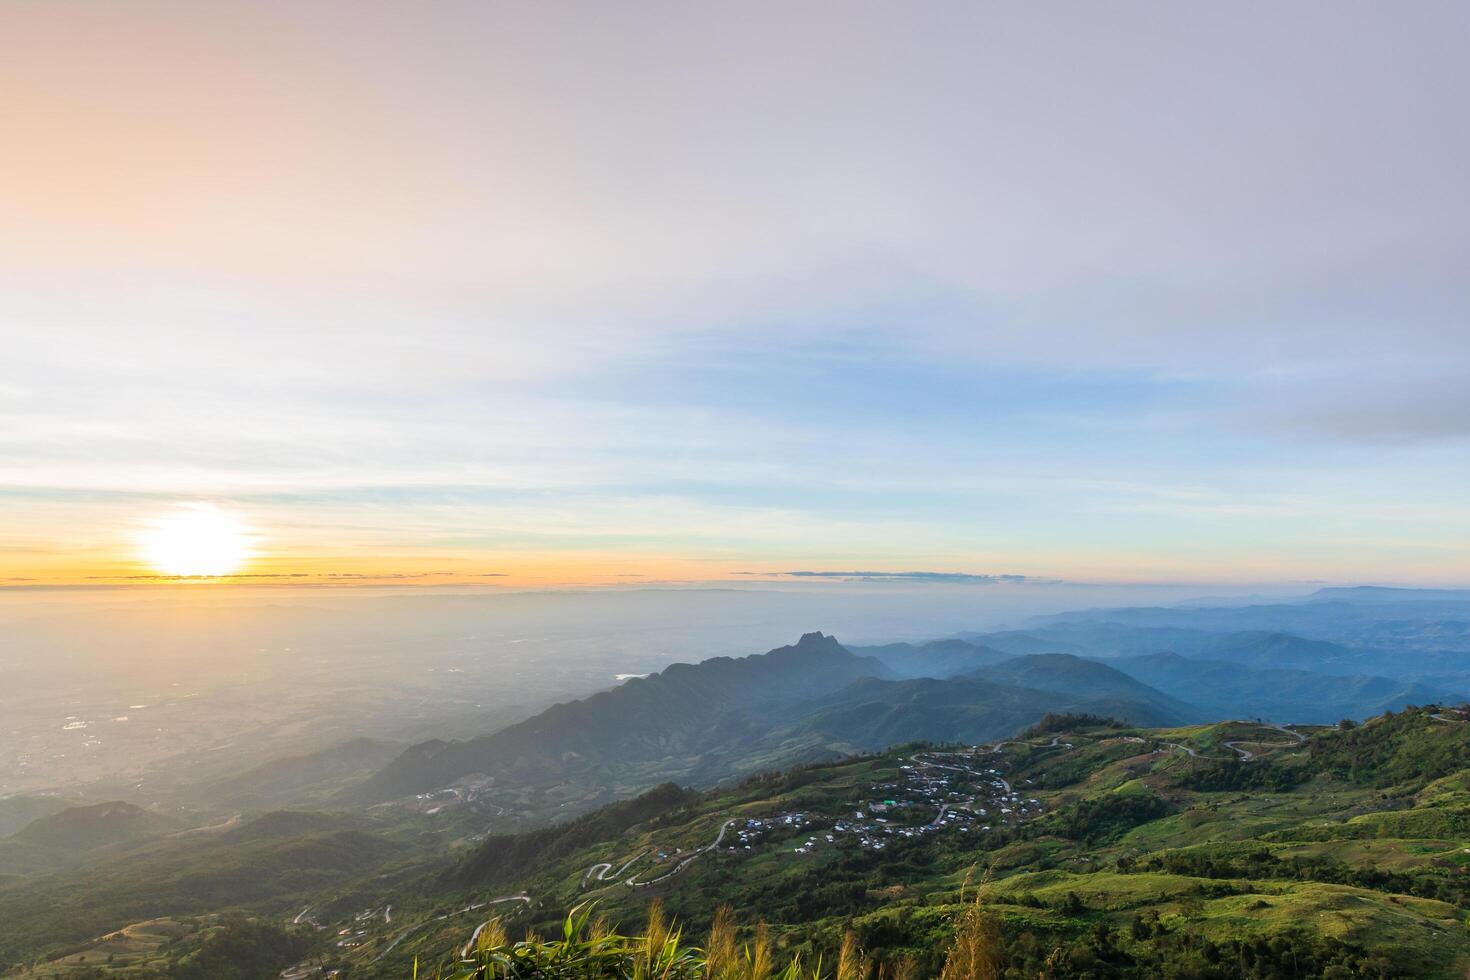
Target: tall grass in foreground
(588,949)
(976,951)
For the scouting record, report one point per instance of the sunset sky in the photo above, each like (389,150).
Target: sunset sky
(596,294)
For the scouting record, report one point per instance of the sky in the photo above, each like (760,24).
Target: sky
(519,294)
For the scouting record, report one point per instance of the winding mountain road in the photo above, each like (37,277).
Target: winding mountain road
(1243,755)
(440,918)
(995,750)
(629,863)
(1296,735)
(604,871)
(1246,755)
(633,881)
(475,936)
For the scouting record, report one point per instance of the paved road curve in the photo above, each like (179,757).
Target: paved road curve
(633,881)
(440,918)
(475,936)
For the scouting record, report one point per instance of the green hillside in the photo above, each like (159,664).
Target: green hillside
(1137,859)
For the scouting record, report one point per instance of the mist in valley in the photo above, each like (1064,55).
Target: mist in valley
(145,697)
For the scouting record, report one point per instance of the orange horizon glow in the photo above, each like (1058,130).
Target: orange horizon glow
(345,568)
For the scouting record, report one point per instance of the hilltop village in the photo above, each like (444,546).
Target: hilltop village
(933,792)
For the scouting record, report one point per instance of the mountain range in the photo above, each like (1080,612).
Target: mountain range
(703,723)
(1221,689)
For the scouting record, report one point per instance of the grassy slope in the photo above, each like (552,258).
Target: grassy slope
(1395,821)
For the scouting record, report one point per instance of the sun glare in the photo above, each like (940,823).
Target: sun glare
(200,541)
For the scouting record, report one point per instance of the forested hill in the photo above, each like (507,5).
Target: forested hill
(659,725)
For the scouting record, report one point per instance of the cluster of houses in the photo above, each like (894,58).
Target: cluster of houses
(936,781)
(757,829)
(964,796)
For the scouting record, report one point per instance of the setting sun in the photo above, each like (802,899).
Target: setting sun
(199,541)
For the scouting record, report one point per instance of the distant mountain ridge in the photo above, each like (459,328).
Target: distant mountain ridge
(1432,626)
(1387,593)
(1276,648)
(1109,639)
(702,723)
(662,724)
(1225,689)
